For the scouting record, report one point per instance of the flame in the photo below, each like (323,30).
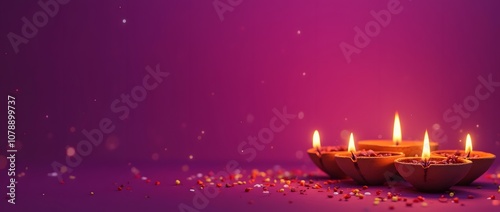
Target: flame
(316,140)
(396,135)
(426,150)
(351,148)
(468,145)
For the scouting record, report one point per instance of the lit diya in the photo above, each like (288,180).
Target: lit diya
(324,157)
(367,167)
(410,148)
(481,161)
(432,174)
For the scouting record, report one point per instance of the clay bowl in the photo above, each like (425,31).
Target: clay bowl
(410,148)
(327,163)
(481,162)
(434,177)
(368,170)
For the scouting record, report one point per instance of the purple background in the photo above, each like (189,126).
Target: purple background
(227,76)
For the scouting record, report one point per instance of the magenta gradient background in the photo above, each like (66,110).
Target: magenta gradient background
(427,59)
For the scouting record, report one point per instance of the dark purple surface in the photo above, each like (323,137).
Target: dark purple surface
(228,77)
(39,192)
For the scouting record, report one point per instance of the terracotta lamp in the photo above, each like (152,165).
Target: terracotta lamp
(324,157)
(432,174)
(397,144)
(481,161)
(367,167)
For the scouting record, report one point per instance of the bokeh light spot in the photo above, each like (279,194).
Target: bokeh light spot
(185,168)
(135,171)
(70,151)
(300,115)
(63,169)
(112,142)
(155,156)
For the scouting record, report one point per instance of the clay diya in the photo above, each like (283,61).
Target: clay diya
(481,161)
(432,174)
(410,148)
(324,157)
(367,167)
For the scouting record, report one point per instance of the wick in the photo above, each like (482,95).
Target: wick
(397,143)
(353,156)
(426,163)
(468,154)
(318,151)
(320,158)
